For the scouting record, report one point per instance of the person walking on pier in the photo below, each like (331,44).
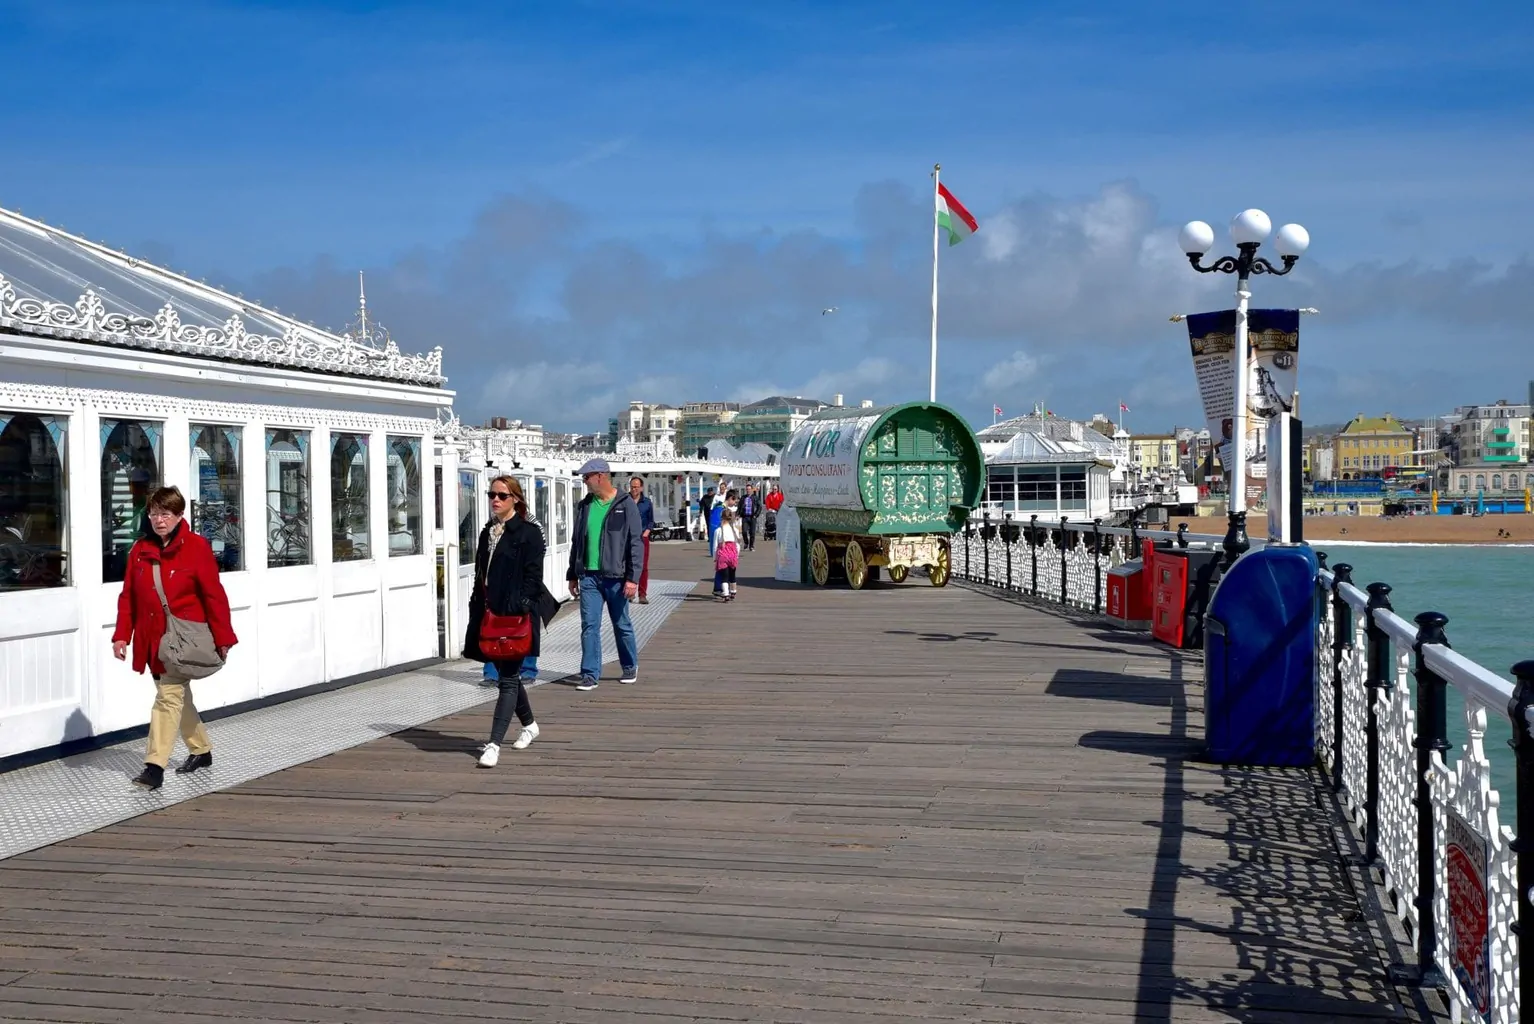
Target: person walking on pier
(606,560)
(727,559)
(508,580)
(171,571)
(706,514)
(646,520)
(750,508)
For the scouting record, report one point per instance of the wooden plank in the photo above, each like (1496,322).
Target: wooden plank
(901,804)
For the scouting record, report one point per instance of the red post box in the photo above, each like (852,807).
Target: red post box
(1128,595)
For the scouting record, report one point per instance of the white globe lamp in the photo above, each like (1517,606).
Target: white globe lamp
(1250,227)
(1291,240)
(1196,238)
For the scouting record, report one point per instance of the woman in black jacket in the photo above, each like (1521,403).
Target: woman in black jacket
(508,580)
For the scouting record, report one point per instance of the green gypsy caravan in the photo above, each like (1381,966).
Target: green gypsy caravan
(884,486)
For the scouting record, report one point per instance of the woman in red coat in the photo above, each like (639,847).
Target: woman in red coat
(189,573)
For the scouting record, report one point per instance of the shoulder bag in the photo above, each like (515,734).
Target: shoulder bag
(505,637)
(186,649)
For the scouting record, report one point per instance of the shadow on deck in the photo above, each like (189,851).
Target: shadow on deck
(817,805)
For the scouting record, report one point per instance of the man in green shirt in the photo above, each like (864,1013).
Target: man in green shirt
(606,560)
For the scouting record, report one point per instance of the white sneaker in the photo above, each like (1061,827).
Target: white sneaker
(527,735)
(491,756)
(631,676)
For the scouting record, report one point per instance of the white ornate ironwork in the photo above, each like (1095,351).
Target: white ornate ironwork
(299,347)
(1467,789)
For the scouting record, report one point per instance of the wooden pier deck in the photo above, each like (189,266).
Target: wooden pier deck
(905,804)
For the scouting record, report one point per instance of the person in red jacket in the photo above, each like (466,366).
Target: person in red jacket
(189,574)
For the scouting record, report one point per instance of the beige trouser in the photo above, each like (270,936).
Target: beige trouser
(174,711)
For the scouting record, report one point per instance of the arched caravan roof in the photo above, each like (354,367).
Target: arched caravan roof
(57,285)
(911,468)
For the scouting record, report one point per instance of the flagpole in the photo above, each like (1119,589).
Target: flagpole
(932,386)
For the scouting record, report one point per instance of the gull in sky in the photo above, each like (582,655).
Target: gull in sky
(828,309)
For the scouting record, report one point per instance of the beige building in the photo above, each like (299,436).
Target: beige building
(1153,453)
(1370,444)
(643,423)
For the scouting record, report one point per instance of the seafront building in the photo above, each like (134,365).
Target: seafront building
(702,422)
(1368,445)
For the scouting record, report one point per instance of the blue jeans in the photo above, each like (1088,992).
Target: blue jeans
(529,668)
(491,675)
(597,592)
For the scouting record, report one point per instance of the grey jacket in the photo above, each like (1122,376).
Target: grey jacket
(621,554)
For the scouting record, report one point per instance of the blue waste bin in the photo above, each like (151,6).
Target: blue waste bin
(1260,660)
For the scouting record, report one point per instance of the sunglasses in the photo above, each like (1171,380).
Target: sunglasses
(499,495)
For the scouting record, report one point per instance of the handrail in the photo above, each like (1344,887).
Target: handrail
(1356,599)
(1489,689)
(1397,628)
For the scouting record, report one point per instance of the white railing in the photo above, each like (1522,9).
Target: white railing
(1414,800)
(1380,736)
(1060,560)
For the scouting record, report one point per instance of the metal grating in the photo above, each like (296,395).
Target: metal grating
(58,800)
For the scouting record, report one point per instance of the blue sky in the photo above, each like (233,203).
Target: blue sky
(585,203)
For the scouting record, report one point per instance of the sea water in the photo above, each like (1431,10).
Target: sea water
(1480,589)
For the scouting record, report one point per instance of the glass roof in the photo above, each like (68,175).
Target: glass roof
(53,267)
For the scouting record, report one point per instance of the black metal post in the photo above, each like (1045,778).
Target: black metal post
(1321,557)
(1097,574)
(1006,523)
(1236,543)
(1523,749)
(1134,537)
(985,546)
(1033,544)
(1182,535)
(1432,724)
(1380,680)
(1342,640)
(1065,539)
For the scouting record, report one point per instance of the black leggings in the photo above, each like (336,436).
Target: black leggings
(513,698)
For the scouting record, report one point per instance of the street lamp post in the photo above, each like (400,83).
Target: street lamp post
(1248,230)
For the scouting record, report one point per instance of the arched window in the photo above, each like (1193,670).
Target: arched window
(1480,481)
(130,472)
(1512,480)
(350,524)
(215,493)
(32,486)
(404,495)
(1496,481)
(1464,482)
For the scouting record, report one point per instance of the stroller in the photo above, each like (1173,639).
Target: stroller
(770,526)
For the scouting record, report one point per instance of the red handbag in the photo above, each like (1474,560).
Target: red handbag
(505,637)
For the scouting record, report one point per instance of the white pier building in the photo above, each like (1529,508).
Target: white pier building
(306,456)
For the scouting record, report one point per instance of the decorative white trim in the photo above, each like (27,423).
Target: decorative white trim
(300,347)
(66,401)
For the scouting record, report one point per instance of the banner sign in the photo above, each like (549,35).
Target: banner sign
(820,462)
(1467,863)
(1273,345)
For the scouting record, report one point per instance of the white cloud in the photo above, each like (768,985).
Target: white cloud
(1016,370)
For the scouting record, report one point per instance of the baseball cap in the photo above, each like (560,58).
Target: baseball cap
(594,466)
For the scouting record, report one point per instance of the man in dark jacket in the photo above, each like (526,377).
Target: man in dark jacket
(647,521)
(606,561)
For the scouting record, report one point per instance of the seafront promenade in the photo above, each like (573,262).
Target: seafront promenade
(904,803)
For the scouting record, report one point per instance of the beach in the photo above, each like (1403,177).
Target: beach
(1518,528)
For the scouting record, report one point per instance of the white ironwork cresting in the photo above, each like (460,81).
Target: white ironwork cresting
(88,319)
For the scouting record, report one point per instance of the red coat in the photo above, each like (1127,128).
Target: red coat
(190,575)
(774,501)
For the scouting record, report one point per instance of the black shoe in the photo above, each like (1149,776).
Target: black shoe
(194,762)
(151,777)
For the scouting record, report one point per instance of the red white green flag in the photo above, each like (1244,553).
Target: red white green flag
(953,218)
